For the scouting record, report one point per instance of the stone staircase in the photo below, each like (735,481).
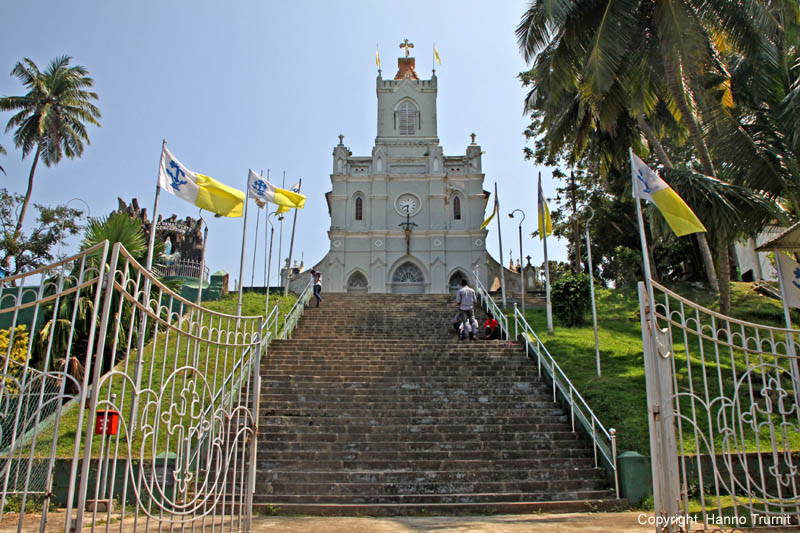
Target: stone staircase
(374,407)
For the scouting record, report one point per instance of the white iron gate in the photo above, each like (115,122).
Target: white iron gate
(724,412)
(122,405)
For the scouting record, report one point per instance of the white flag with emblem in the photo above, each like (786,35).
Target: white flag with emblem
(790,278)
(176,178)
(259,188)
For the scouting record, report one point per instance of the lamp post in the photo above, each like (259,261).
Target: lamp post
(521,269)
(269,261)
(61,230)
(202,260)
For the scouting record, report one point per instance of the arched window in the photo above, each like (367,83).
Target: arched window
(455,281)
(456,208)
(359,208)
(408,273)
(357,282)
(407,118)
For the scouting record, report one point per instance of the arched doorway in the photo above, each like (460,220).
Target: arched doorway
(455,281)
(408,279)
(357,282)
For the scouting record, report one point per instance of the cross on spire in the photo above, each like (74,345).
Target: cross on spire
(405,44)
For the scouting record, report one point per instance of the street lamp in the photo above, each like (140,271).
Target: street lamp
(202,260)
(61,230)
(521,269)
(269,260)
(591,286)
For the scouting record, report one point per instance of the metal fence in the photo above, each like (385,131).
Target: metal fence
(185,268)
(724,412)
(148,402)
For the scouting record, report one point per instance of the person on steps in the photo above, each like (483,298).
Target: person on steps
(491,328)
(465,300)
(316,279)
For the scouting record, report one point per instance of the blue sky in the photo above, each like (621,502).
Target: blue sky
(268,85)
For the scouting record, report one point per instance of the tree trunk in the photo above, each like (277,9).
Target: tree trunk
(724,270)
(28,192)
(702,241)
(576,230)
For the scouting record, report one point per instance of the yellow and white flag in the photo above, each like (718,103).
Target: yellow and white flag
(295,189)
(494,212)
(198,189)
(648,186)
(545,224)
(261,189)
(436,54)
(377,57)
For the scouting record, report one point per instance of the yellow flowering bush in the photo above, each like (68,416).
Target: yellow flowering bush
(17,356)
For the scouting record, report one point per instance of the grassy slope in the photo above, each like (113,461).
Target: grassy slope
(618,397)
(252,305)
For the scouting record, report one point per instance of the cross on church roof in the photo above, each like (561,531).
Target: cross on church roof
(405,44)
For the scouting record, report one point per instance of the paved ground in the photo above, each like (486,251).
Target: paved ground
(527,523)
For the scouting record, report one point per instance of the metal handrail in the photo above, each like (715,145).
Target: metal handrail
(561,383)
(294,314)
(578,407)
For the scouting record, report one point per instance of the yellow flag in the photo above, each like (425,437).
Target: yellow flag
(377,57)
(436,55)
(218,198)
(545,224)
(494,212)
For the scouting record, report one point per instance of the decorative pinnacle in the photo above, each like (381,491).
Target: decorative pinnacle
(341,139)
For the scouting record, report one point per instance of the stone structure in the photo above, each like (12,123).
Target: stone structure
(405,219)
(185,235)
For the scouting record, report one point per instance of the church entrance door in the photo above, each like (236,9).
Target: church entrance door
(408,279)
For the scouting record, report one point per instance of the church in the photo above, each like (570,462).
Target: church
(405,219)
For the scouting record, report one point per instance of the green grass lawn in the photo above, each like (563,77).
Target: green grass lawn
(163,358)
(618,397)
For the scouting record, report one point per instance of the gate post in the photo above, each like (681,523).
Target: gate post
(661,416)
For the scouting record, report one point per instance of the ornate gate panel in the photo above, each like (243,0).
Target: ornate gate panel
(147,401)
(724,413)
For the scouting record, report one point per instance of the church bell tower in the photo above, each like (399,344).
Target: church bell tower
(405,219)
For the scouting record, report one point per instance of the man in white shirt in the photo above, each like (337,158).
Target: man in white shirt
(465,300)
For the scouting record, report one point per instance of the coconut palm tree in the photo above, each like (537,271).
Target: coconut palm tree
(51,117)
(2,151)
(641,55)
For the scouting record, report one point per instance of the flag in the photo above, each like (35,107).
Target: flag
(198,189)
(282,208)
(261,189)
(545,224)
(648,186)
(790,279)
(377,57)
(436,54)
(494,212)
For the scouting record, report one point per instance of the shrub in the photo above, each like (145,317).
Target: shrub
(570,296)
(17,356)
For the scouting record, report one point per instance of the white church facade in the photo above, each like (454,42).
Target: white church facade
(405,219)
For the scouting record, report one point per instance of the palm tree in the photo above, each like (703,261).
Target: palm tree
(51,117)
(2,151)
(642,55)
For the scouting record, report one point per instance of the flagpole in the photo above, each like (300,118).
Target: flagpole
(244,242)
(269,261)
(291,244)
(500,243)
(591,287)
(266,227)
(280,232)
(152,243)
(790,351)
(255,248)
(543,235)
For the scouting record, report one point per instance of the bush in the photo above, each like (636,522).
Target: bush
(570,296)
